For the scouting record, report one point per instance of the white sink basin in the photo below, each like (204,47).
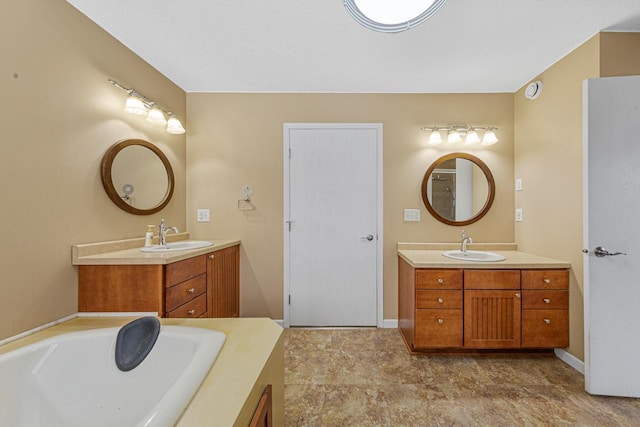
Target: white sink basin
(178,246)
(478,256)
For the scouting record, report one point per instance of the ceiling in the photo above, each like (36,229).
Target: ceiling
(469,46)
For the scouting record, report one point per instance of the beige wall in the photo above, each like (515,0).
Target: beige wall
(237,139)
(58,116)
(548,158)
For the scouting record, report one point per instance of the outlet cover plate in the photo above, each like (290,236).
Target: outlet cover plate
(518,215)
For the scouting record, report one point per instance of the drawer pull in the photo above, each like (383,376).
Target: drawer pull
(211,256)
(440,300)
(547,281)
(547,321)
(547,301)
(191,290)
(440,321)
(441,281)
(517,295)
(191,312)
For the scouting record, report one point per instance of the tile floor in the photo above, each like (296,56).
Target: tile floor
(365,377)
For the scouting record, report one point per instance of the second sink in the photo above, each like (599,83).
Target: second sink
(178,246)
(477,256)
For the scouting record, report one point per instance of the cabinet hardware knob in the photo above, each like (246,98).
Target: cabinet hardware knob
(441,281)
(547,281)
(440,300)
(440,321)
(547,321)
(191,290)
(547,301)
(517,295)
(211,256)
(191,312)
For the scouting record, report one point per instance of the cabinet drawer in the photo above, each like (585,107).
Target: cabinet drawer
(545,328)
(438,279)
(545,300)
(184,270)
(545,279)
(492,279)
(185,291)
(193,308)
(440,299)
(438,329)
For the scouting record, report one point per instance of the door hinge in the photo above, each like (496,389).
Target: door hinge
(289,152)
(289,224)
(289,299)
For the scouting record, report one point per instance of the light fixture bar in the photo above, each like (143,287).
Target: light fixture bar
(461,133)
(139,104)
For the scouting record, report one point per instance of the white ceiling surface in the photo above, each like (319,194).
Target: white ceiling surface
(469,46)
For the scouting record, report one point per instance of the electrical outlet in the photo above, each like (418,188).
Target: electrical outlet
(519,184)
(412,214)
(202,215)
(518,215)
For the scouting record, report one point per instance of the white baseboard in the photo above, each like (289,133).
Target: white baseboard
(570,359)
(117,314)
(390,323)
(279,322)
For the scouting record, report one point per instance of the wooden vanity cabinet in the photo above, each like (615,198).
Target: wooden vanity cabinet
(454,310)
(263,417)
(201,286)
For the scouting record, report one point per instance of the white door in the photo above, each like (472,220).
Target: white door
(333,224)
(612,222)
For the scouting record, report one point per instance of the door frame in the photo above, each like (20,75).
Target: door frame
(287,127)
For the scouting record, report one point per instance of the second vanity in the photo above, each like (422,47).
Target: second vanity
(455,306)
(118,277)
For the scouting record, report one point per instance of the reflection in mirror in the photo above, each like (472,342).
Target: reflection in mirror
(458,189)
(137,176)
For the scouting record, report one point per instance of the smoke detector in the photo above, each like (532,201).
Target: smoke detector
(533,90)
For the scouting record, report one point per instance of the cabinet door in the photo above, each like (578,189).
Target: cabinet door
(263,417)
(438,329)
(492,319)
(545,328)
(223,281)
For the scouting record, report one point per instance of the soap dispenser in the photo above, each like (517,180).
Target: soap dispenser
(148,237)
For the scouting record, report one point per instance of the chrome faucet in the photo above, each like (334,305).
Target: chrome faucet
(465,239)
(162,232)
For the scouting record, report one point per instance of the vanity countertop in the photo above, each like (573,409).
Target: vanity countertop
(429,255)
(251,357)
(127,252)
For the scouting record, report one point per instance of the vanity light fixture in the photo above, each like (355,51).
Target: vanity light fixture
(392,16)
(458,133)
(140,105)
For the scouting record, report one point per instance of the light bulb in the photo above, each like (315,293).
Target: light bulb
(472,138)
(489,138)
(453,137)
(134,105)
(156,116)
(435,138)
(174,127)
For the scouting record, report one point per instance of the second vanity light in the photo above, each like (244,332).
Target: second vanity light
(469,134)
(140,105)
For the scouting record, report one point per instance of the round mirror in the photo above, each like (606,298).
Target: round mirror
(458,189)
(137,176)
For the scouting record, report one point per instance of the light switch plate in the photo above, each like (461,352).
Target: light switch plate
(203,215)
(412,214)
(519,184)
(518,215)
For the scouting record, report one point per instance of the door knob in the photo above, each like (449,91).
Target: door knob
(602,252)
(368,237)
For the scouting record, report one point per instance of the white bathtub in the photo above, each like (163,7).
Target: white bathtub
(72,379)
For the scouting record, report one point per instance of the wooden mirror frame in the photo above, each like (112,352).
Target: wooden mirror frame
(107,180)
(491,187)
